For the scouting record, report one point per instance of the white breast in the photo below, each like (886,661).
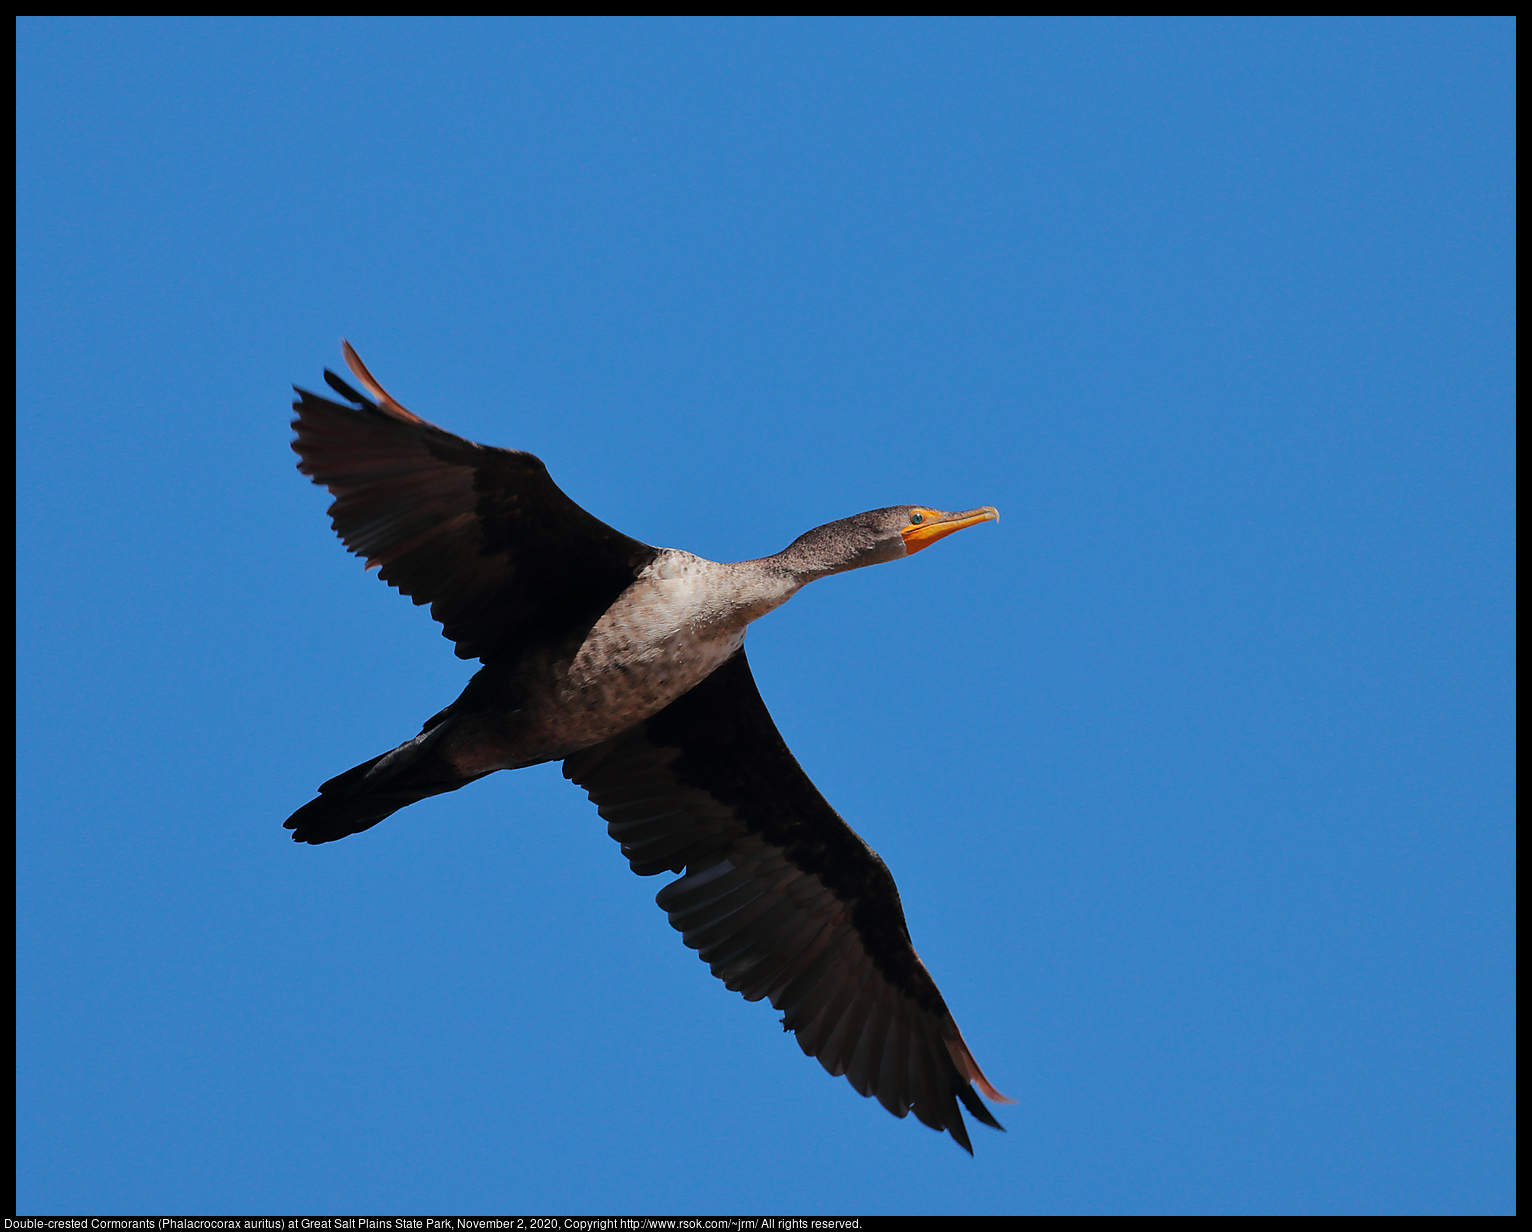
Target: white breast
(668,632)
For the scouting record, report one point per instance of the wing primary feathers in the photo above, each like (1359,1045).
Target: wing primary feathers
(976,1106)
(344,390)
(359,370)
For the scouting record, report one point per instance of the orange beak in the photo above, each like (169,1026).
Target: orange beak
(935,524)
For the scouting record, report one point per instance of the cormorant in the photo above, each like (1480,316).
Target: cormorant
(626,662)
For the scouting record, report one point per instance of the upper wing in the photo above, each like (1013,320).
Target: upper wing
(781,897)
(483,535)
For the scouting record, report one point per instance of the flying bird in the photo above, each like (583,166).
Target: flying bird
(627,663)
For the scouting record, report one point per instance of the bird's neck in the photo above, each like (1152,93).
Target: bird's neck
(755,587)
(734,594)
(799,564)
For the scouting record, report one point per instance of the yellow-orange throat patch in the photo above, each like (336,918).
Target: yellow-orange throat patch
(928,525)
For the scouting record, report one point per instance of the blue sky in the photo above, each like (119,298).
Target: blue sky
(1195,771)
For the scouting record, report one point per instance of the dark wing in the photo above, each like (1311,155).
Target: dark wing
(483,535)
(781,897)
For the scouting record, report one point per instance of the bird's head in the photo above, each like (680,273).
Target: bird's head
(876,536)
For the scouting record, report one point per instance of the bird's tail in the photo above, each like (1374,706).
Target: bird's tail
(364,795)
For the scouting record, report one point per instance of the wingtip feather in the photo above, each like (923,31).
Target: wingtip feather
(370,384)
(969,1068)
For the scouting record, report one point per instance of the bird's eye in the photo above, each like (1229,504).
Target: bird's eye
(917,518)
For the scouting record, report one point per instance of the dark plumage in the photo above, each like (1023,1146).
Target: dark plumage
(627,663)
